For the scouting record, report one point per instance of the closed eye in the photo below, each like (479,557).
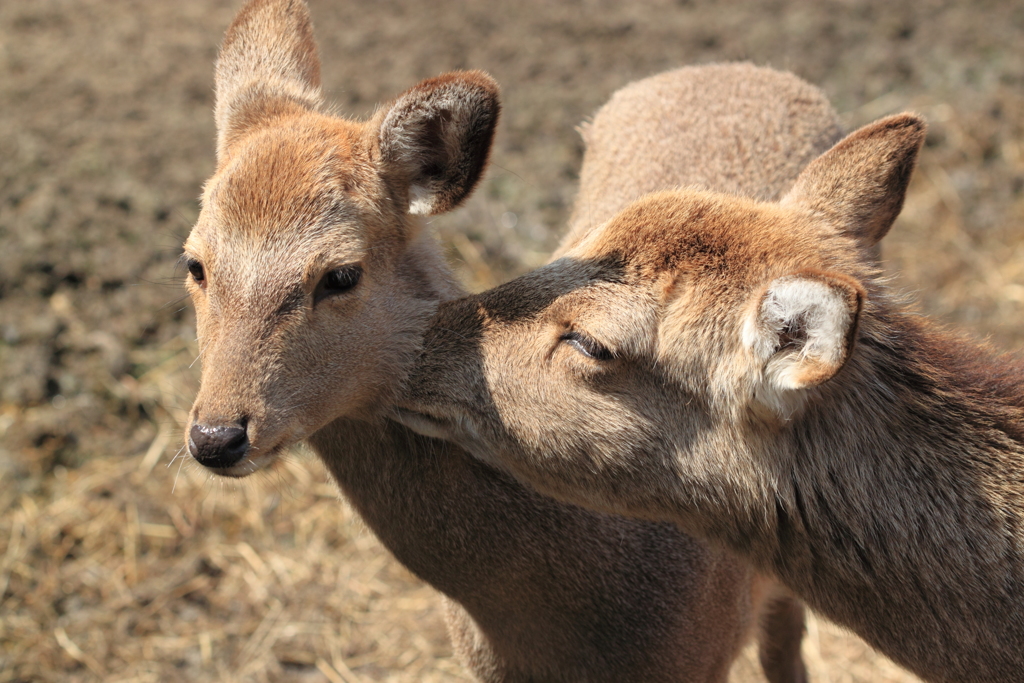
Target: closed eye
(588,346)
(338,281)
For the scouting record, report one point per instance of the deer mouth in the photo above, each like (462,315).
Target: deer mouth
(459,429)
(424,424)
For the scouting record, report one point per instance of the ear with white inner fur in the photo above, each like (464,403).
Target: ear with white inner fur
(436,137)
(268,65)
(860,184)
(802,331)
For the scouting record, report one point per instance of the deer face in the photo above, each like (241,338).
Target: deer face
(690,324)
(311,279)
(593,369)
(305,302)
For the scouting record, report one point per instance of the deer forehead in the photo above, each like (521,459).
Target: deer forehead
(294,200)
(699,258)
(706,232)
(294,179)
(690,246)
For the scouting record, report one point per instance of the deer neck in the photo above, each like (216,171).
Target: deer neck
(393,477)
(413,492)
(538,578)
(524,567)
(898,507)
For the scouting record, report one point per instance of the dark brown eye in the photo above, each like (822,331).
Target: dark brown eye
(338,281)
(196,269)
(588,346)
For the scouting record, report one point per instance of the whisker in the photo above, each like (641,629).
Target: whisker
(175,485)
(175,458)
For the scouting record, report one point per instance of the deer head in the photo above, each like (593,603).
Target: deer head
(664,343)
(311,277)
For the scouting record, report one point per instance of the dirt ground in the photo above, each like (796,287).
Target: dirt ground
(114,566)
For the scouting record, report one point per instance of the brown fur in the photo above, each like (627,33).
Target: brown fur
(740,368)
(538,590)
(736,128)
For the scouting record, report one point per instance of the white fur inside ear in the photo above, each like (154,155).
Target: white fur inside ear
(421,200)
(800,335)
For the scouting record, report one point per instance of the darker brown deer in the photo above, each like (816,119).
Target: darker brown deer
(742,368)
(314,281)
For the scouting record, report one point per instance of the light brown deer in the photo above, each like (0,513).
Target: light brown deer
(314,281)
(742,369)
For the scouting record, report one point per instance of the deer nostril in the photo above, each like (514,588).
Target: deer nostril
(218,446)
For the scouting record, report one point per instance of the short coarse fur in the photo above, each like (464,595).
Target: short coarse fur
(538,590)
(741,368)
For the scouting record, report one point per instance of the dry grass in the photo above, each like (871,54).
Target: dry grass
(147,569)
(118,562)
(113,577)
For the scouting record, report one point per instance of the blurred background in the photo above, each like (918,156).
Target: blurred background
(119,562)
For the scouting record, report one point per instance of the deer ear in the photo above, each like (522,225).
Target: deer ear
(861,182)
(268,65)
(801,331)
(435,138)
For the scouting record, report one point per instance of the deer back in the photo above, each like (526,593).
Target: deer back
(734,128)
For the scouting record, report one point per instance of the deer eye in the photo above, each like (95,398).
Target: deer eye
(338,281)
(196,269)
(588,346)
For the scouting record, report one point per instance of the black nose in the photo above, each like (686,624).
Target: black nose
(217,446)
